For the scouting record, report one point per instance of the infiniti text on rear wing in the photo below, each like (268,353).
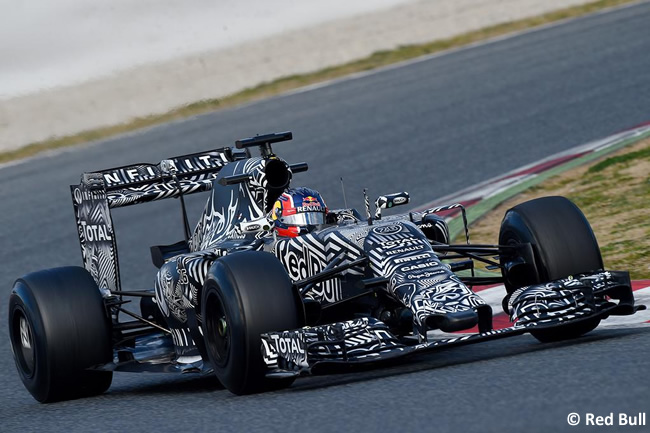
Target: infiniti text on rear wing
(140,183)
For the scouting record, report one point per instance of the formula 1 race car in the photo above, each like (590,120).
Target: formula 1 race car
(258,308)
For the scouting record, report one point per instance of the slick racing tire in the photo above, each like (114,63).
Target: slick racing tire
(58,328)
(563,244)
(246,294)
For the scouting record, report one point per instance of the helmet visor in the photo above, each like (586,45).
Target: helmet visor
(304,219)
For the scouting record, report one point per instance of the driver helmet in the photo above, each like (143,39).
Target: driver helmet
(298,211)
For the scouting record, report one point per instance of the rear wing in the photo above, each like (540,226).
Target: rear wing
(100,191)
(139,183)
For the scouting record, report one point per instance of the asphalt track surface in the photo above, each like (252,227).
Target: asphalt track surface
(431,128)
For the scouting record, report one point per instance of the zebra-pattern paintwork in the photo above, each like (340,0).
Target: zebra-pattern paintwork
(356,338)
(96,236)
(417,276)
(562,300)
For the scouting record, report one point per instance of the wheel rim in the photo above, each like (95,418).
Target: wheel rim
(218,329)
(23,341)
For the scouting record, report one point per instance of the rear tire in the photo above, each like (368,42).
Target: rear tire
(563,244)
(246,294)
(58,328)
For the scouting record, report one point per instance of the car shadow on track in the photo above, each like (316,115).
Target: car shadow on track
(167,384)
(439,359)
(455,356)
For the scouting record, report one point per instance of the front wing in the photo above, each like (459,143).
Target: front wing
(364,340)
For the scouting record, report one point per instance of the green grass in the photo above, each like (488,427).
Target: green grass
(376,60)
(537,186)
(620,159)
(612,191)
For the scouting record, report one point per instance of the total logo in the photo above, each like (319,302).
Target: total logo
(288,344)
(406,242)
(95,232)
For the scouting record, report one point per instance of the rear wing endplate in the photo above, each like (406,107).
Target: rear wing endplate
(122,186)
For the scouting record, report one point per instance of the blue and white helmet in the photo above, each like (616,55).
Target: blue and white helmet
(298,208)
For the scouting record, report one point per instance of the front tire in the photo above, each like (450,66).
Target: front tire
(563,244)
(246,294)
(58,328)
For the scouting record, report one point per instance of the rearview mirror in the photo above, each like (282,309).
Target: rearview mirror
(390,200)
